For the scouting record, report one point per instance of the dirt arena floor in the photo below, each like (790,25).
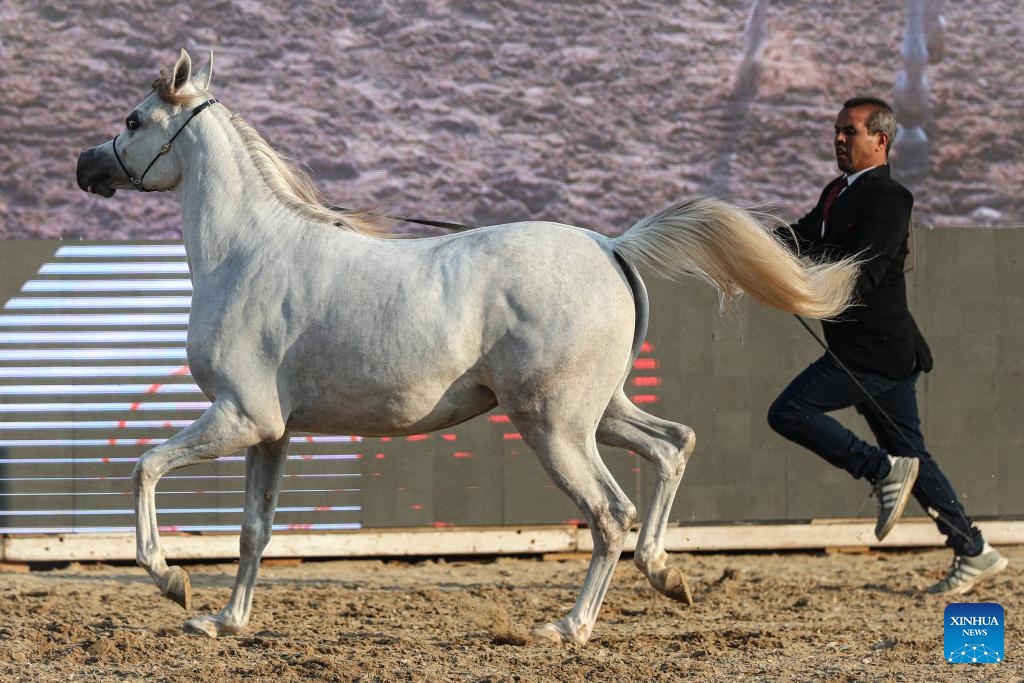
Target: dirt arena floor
(759,617)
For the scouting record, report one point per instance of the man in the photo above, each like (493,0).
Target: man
(875,351)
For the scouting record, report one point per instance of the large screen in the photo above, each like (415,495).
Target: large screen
(478,112)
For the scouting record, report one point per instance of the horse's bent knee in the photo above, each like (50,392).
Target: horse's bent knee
(628,517)
(680,441)
(686,439)
(615,521)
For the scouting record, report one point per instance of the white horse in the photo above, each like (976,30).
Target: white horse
(309,319)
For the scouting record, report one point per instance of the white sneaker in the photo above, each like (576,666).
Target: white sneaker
(893,492)
(966,572)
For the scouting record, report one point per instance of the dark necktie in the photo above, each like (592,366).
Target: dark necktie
(833,194)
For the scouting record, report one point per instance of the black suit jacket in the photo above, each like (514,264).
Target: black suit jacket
(871,220)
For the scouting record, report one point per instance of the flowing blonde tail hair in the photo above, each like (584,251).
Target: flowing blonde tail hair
(735,252)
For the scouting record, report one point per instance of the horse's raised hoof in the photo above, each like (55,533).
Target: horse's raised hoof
(178,587)
(211,625)
(673,584)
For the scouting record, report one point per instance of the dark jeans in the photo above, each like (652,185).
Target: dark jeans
(799,415)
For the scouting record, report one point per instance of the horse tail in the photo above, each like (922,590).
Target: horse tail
(735,252)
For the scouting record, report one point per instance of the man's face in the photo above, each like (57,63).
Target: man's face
(856,148)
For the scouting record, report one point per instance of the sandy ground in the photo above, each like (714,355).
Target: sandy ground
(762,617)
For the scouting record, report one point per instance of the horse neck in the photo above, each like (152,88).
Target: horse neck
(227,207)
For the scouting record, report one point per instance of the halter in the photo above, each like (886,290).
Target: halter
(163,150)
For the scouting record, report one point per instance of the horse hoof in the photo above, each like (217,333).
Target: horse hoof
(550,633)
(212,625)
(178,587)
(673,585)
(561,633)
(202,626)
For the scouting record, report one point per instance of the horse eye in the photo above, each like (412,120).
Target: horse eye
(132,122)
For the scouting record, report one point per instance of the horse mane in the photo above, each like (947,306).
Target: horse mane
(292,185)
(296,189)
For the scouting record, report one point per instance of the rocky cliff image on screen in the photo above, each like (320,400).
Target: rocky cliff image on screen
(592,114)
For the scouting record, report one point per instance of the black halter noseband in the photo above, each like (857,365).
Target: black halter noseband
(163,150)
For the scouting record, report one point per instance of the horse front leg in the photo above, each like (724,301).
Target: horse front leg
(222,429)
(264,468)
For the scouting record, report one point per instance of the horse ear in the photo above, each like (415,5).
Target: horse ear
(182,70)
(205,74)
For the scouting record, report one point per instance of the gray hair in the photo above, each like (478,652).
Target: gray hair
(882,118)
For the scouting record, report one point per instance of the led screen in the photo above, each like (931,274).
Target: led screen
(480,112)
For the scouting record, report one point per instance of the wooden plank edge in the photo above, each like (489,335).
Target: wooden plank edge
(820,534)
(362,543)
(539,540)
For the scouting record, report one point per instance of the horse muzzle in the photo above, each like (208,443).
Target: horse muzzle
(95,172)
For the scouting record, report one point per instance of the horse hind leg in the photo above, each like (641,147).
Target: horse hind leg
(668,446)
(264,468)
(221,430)
(571,458)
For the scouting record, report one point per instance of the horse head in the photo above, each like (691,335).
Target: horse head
(142,155)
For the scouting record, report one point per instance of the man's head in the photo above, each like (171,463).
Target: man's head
(864,132)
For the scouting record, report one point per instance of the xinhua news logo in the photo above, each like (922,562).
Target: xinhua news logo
(974,633)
